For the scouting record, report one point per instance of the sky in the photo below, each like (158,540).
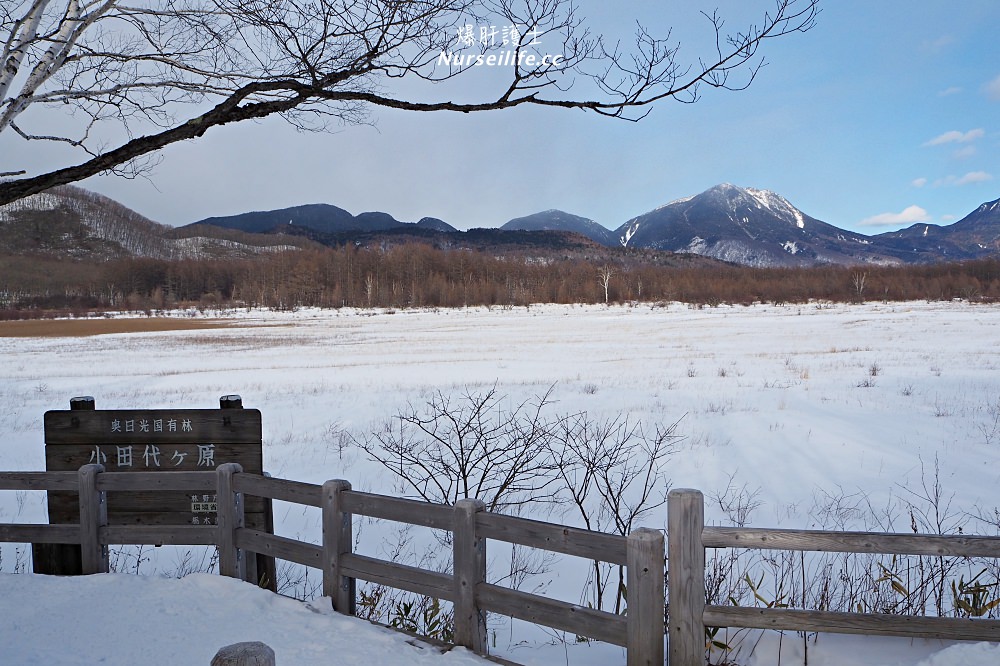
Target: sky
(885,114)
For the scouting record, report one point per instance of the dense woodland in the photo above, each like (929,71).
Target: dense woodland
(420,275)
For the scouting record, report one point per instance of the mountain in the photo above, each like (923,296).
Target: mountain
(557,220)
(321,217)
(324,218)
(975,235)
(72,222)
(435,224)
(746,226)
(752,227)
(426,232)
(739,225)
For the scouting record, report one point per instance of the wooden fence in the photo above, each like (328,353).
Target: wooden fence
(689,615)
(641,631)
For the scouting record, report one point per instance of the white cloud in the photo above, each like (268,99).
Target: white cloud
(953,90)
(939,44)
(993,88)
(971,177)
(974,177)
(964,152)
(947,218)
(954,136)
(909,215)
(918,182)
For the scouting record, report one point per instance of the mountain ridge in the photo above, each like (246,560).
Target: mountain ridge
(748,226)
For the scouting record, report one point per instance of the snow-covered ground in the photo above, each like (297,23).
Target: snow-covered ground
(124,620)
(797,404)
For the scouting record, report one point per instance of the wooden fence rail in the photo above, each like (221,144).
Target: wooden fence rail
(641,631)
(689,615)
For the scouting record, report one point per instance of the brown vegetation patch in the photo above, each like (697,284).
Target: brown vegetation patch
(51,328)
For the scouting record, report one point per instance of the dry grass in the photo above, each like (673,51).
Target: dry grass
(51,328)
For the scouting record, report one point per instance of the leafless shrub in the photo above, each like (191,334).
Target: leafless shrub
(477,445)
(613,474)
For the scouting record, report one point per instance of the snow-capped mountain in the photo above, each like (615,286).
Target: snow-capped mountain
(975,235)
(747,226)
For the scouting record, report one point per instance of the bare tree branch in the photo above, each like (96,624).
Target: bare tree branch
(130,73)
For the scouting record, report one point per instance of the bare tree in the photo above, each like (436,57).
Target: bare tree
(138,77)
(604,275)
(858,280)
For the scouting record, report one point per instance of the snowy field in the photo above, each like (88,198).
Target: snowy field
(795,408)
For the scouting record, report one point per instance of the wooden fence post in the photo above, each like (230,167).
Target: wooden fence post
(93,516)
(232,561)
(338,540)
(644,558)
(469,566)
(61,559)
(686,559)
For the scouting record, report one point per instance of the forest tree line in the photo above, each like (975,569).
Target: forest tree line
(419,275)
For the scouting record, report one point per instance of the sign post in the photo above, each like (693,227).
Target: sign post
(153,440)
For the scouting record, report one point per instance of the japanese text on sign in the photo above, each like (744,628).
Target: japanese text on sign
(151,456)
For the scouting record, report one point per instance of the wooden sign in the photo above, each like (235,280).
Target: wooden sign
(154,440)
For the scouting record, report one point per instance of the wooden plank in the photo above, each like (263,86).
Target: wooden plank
(296,492)
(158,481)
(166,508)
(147,502)
(34,533)
(153,426)
(232,562)
(337,541)
(409,511)
(644,580)
(267,572)
(549,536)
(946,628)
(399,576)
(469,564)
(144,458)
(949,545)
(595,624)
(93,516)
(281,548)
(39,480)
(686,558)
(160,535)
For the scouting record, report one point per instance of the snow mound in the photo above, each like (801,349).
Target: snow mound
(973,654)
(120,619)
